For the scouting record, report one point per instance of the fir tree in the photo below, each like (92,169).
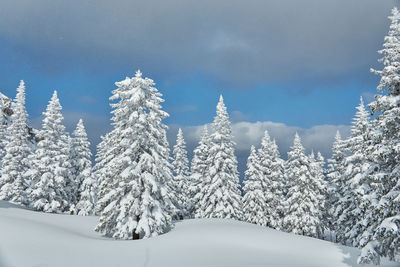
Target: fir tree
(272,172)
(82,167)
(180,182)
(221,198)
(336,185)
(254,202)
(15,163)
(137,204)
(304,199)
(381,238)
(352,205)
(200,178)
(51,173)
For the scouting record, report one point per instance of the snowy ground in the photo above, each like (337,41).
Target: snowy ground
(33,239)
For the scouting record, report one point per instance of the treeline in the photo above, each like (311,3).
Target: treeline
(137,190)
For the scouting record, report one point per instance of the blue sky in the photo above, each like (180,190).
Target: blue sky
(299,64)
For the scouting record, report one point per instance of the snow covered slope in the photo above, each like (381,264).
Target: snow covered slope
(33,239)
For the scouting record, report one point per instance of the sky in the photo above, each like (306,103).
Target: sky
(283,66)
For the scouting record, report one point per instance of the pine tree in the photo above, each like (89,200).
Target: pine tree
(13,183)
(199,178)
(352,205)
(180,182)
(221,198)
(254,202)
(51,173)
(272,171)
(82,167)
(382,236)
(304,203)
(137,204)
(336,186)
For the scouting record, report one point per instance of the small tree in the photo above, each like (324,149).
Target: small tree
(272,172)
(82,167)
(304,200)
(15,162)
(200,178)
(50,172)
(180,182)
(254,202)
(336,185)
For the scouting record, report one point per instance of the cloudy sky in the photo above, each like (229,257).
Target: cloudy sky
(285,66)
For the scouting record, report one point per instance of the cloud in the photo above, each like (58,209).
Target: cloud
(238,43)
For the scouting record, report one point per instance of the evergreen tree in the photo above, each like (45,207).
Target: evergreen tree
(137,204)
(180,182)
(381,238)
(221,198)
(336,186)
(15,162)
(353,204)
(50,172)
(305,202)
(200,178)
(254,202)
(82,167)
(272,172)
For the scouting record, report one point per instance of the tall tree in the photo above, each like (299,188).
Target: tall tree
(336,187)
(200,178)
(137,205)
(382,236)
(50,172)
(304,199)
(222,197)
(272,172)
(15,163)
(254,202)
(353,204)
(180,181)
(82,170)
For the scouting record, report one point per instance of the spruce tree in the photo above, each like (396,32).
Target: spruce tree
(51,172)
(254,202)
(305,202)
(272,173)
(15,163)
(82,171)
(352,206)
(200,178)
(336,186)
(137,204)
(221,198)
(381,238)
(180,181)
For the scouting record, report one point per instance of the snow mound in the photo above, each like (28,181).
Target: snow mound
(32,239)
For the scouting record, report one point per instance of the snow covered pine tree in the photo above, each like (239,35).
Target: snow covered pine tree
(15,163)
(82,171)
(137,204)
(221,197)
(50,173)
(382,237)
(200,173)
(180,181)
(305,199)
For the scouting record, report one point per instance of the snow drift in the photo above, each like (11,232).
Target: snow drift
(32,239)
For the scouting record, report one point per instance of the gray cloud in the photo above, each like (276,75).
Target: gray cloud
(236,42)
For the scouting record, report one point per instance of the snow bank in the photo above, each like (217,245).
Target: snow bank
(33,239)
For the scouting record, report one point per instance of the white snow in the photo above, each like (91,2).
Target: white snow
(32,239)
